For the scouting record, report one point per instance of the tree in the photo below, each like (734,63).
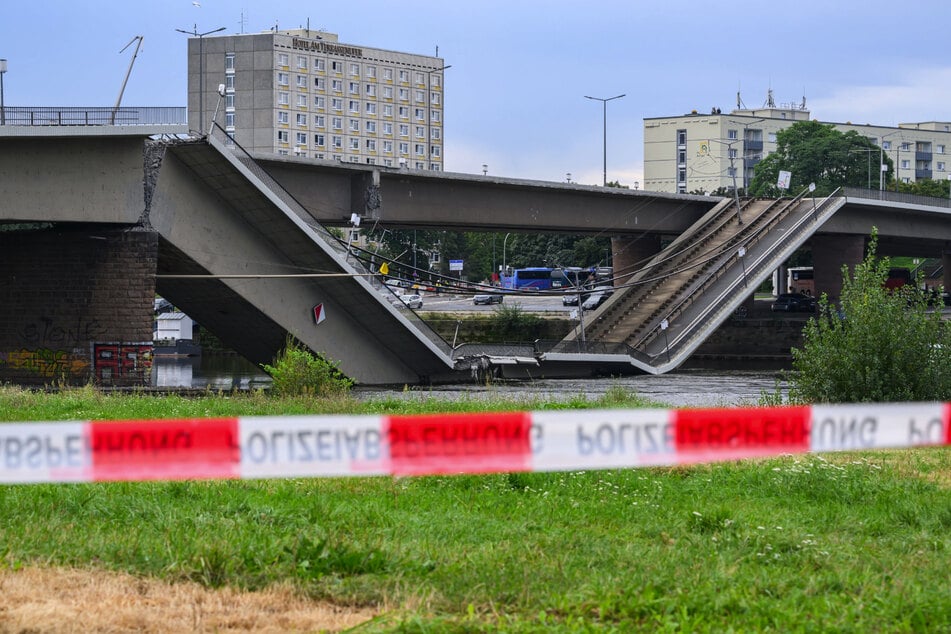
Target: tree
(817,153)
(879,345)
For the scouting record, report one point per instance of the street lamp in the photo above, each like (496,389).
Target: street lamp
(201,71)
(485,169)
(731,155)
(604,103)
(503,251)
(3,70)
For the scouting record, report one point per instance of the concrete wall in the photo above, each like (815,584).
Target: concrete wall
(76,306)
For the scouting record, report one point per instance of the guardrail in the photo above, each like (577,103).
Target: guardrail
(895,197)
(92,116)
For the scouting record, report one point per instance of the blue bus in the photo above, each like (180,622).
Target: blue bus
(536,278)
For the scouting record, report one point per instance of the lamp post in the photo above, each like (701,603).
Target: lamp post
(3,113)
(731,156)
(503,251)
(485,169)
(201,71)
(604,103)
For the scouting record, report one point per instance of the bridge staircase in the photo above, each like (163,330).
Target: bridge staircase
(662,313)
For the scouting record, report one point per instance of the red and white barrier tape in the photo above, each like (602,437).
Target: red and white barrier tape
(312,446)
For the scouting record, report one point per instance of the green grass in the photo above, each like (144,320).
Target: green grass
(857,542)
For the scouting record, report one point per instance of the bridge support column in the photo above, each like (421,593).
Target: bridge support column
(76,306)
(630,252)
(829,253)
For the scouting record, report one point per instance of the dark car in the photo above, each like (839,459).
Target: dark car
(487,298)
(794,303)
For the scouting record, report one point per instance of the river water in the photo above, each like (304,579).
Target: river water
(687,388)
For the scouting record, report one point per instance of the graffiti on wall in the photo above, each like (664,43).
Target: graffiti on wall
(49,334)
(44,362)
(114,362)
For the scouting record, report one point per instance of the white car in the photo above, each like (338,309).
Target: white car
(413,300)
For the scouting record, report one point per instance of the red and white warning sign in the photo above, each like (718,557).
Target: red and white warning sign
(485,442)
(319,313)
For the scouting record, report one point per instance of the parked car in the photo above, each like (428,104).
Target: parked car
(412,300)
(570,298)
(594,300)
(487,298)
(794,303)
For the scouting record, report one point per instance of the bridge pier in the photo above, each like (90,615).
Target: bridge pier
(630,252)
(829,253)
(76,305)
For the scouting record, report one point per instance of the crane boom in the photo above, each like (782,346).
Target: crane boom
(138,39)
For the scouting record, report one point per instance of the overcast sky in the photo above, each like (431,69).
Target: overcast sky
(521,68)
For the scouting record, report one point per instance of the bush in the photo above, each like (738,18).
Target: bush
(299,372)
(511,323)
(878,345)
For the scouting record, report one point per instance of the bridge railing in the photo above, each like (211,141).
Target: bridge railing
(896,197)
(31,116)
(341,246)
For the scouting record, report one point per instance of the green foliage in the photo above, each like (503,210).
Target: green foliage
(510,323)
(817,153)
(298,372)
(878,345)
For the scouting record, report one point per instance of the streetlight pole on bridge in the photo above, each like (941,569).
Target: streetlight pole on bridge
(604,103)
(201,71)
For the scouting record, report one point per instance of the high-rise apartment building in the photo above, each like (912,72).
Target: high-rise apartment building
(706,152)
(302,92)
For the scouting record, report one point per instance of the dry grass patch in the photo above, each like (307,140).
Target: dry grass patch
(66,600)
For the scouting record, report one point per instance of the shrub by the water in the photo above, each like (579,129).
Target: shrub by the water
(877,345)
(299,372)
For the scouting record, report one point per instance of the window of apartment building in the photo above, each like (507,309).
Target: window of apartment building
(420,96)
(229,120)
(371,145)
(371,72)
(355,69)
(420,114)
(388,147)
(388,74)
(302,62)
(681,137)
(354,125)
(336,67)
(354,106)
(302,82)
(371,107)
(435,134)
(301,101)
(434,151)
(336,85)
(404,75)
(771,137)
(371,127)
(681,157)
(370,90)
(319,121)
(284,98)
(336,104)
(338,142)
(434,98)
(283,117)
(435,116)
(905,147)
(404,129)
(283,60)
(731,134)
(319,103)
(229,82)
(282,136)
(939,149)
(434,167)
(302,119)
(731,153)
(354,88)
(435,81)
(229,101)
(404,148)
(886,145)
(420,132)
(420,165)
(940,166)
(420,149)
(320,64)
(387,92)
(354,143)
(301,138)
(419,78)
(229,61)
(682,175)
(387,110)
(320,83)
(905,164)
(319,140)
(283,79)
(404,94)
(337,123)
(404,112)
(731,171)
(387,128)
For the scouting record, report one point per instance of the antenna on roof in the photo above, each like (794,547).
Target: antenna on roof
(802,106)
(770,102)
(739,101)
(242,21)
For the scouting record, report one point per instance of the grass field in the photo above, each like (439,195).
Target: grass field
(850,542)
